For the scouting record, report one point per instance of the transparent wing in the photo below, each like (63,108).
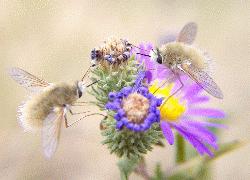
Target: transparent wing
(51,132)
(203,79)
(27,80)
(188,33)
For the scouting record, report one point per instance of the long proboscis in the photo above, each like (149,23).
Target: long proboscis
(92,83)
(86,73)
(144,54)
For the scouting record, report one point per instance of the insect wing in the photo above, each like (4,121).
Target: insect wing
(188,33)
(51,132)
(27,80)
(203,79)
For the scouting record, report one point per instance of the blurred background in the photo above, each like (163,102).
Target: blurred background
(53,40)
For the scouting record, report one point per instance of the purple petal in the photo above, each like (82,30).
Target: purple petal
(207,124)
(167,132)
(200,133)
(177,84)
(209,112)
(193,90)
(149,46)
(139,79)
(150,65)
(193,100)
(198,145)
(162,72)
(112,106)
(149,76)
(112,96)
(119,125)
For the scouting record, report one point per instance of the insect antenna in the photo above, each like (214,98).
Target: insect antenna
(92,83)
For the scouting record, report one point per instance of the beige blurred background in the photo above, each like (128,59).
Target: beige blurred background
(53,39)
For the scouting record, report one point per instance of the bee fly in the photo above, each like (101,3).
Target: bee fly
(46,108)
(180,56)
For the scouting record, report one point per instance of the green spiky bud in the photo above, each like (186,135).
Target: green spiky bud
(122,142)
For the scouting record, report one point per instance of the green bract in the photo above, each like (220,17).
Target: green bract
(121,142)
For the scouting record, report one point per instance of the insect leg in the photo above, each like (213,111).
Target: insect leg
(93,83)
(66,121)
(72,113)
(182,85)
(75,113)
(81,102)
(166,81)
(84,117)
(156,69)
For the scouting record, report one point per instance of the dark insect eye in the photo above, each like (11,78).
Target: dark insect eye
(159,59)
(80,94)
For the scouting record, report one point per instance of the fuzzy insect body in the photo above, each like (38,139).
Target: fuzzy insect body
(177,53)
(34,111)
(46,107)
(181,56)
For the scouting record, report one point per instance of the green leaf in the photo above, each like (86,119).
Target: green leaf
(127,166)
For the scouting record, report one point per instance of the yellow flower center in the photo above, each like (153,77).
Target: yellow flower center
(172,109)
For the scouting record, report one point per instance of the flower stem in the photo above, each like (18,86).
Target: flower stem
(180,150)
(142,170)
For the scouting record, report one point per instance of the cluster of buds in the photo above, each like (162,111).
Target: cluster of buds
(113,51)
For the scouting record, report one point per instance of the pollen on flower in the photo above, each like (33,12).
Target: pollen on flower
(171,110)
(136,107)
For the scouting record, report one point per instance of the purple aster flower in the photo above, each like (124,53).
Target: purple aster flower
(136,108)
(152,68)
(186,113)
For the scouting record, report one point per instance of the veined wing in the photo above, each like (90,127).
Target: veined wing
(188,33)
(203,79)
(51,131)
(27,80)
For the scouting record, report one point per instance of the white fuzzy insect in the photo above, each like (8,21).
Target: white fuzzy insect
(181,56)
(46,108)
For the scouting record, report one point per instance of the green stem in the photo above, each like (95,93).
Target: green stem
(180,150)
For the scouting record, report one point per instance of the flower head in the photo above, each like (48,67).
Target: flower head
(181,111)
(111,53)
(136,108)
